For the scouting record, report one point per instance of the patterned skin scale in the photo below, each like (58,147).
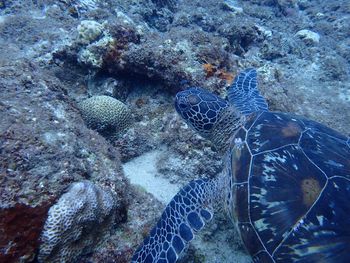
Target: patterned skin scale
(286,182)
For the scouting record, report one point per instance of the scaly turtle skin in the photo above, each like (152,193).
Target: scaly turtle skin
(286,182)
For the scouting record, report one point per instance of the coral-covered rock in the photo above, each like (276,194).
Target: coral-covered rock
(89,31)
(45,147)
(308,36)
(77,223)
(102,44)
(93,54)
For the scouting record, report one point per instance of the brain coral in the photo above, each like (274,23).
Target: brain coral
(105,114)
(77,223)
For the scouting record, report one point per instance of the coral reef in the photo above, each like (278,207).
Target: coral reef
(100,45)
(105,114)
(96,43)
(45,147)
(77,223)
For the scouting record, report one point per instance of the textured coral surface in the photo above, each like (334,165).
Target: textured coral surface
(105,113)
(77,223)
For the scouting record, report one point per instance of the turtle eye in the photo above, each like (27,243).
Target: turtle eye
(193,99)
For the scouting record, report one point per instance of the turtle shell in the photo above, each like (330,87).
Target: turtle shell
(291,189)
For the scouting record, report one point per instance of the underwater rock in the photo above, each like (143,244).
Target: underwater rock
(231,5)
(96,41)
(77,223)
(20,227)
(171,4)
(100,45)
(308,36)
(89,31)
(45,147)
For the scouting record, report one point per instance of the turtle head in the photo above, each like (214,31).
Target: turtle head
(200,109)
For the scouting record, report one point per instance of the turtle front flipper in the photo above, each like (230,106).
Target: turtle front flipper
(184,216)
(244,93)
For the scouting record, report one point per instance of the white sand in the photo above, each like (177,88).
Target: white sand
(142,171)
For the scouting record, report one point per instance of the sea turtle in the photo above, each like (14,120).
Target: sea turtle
(285,185)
